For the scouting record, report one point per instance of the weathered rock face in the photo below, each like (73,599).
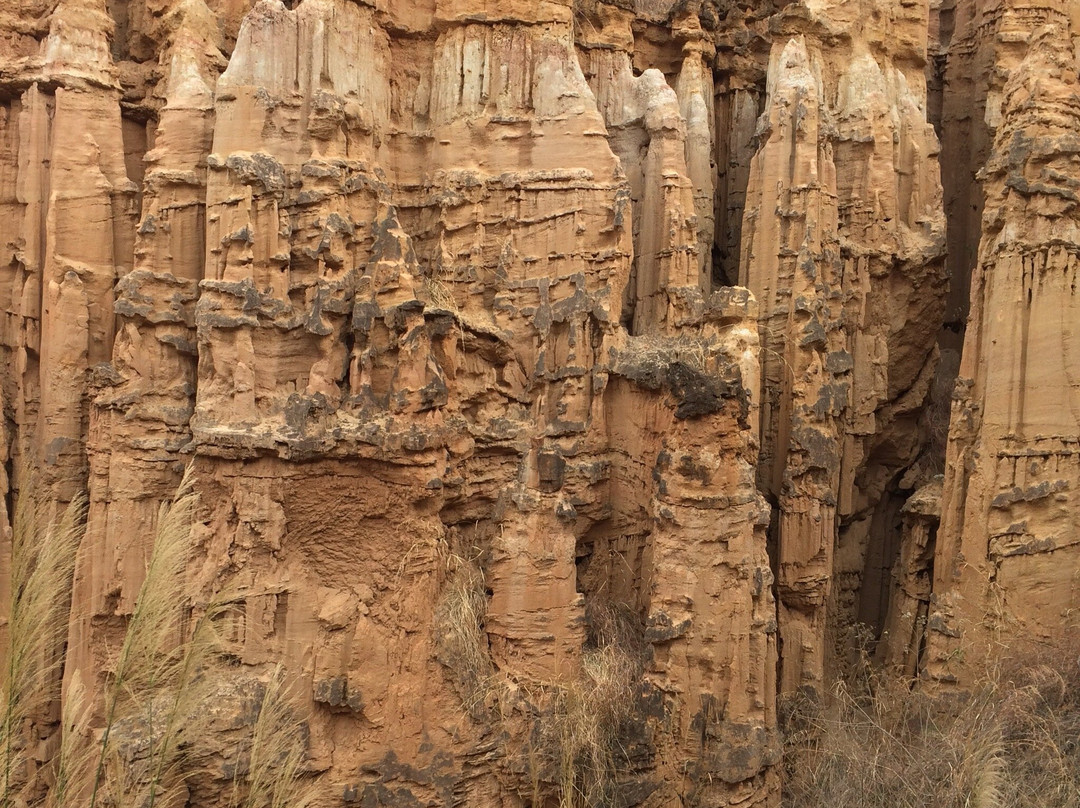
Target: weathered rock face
(843,245)
(444,291)
(1007,555)
(372,283)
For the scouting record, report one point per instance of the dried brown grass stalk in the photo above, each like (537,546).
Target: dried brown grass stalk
(44,541)
(460,636)
(574,743)
(155,702)
(1014,742)
(582,725)
(572,724)
(74,759)
(154,679)
(278,750)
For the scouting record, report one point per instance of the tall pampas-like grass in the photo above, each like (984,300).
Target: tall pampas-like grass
(155,692)
(44,539)
(155,678)
(277,754)
(73,760)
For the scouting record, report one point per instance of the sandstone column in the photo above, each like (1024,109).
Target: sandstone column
(1007,556)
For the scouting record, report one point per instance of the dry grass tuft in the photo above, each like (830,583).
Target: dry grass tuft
(461,640)
(156,691)
(439,295)
(578,721)
(693,351)
(277,754)
(43,548)
(571,725)
(1015,742)
(579,726)
(74,759)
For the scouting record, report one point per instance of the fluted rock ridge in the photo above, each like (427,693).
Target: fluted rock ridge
(633,324)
